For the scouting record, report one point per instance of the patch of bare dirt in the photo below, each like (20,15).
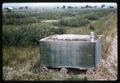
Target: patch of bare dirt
(49,21)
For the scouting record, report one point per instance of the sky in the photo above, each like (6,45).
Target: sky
(56,4)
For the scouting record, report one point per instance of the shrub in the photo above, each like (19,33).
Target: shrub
(28,34)
(91,27)
(20,21)
(92,17)
(74,22)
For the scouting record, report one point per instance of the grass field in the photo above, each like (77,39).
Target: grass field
(21,31)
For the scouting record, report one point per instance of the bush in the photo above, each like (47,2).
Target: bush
(91,27)
(19,21)
(22,17)
(92,17)
(28,34)
(74,22)
(60,31)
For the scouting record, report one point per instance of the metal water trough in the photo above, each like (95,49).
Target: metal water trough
(71,51)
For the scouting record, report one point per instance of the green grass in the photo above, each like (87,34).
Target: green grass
(27,34)
(81,77)
(74,22)
(25,27)
(105,26)
(19,38)
(18,56)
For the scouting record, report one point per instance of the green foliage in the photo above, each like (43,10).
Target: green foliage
(75,77)
(18,18)
(91,27)
(96,14)
(92,17)
(15,56)
(74,22)
(28,34)
(25,28)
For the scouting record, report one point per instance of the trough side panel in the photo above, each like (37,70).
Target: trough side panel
(45,58)
(74,54)
(87,55)
(98,52)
